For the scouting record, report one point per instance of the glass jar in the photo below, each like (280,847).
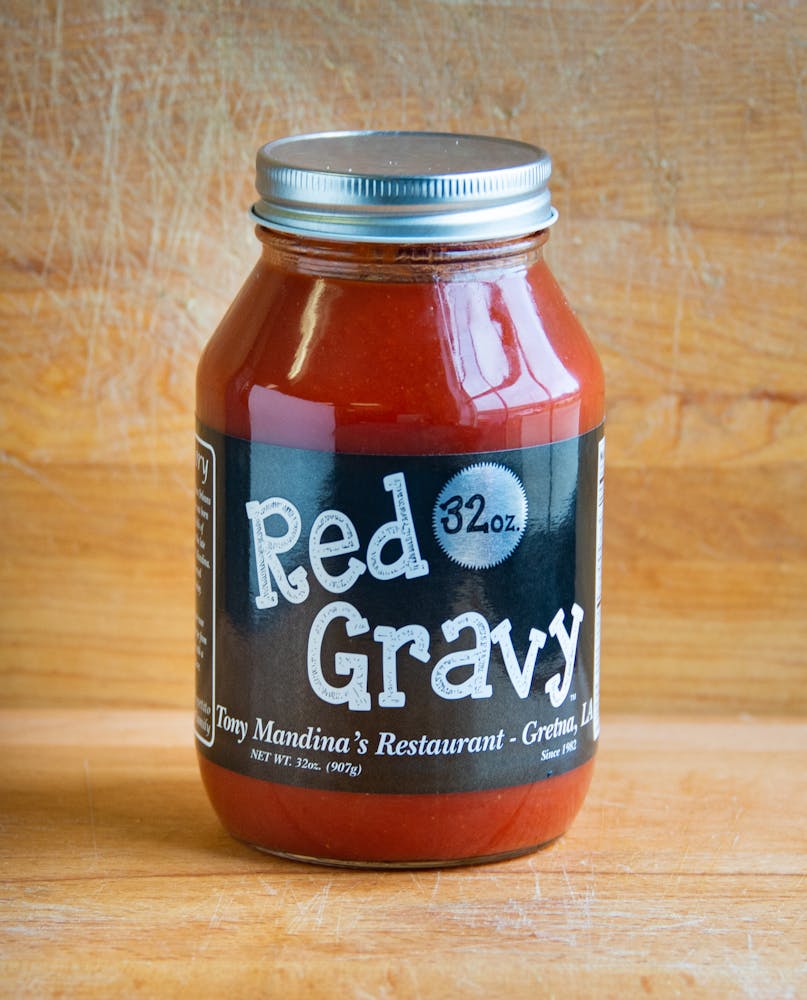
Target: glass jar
(399,512)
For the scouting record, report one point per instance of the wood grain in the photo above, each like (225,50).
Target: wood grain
(683,874)
(127,134)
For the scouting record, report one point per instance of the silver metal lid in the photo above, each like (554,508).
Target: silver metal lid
(403,187)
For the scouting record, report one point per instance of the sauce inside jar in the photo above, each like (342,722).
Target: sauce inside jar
(399,470)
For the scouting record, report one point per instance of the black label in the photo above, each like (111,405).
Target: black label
(413,624)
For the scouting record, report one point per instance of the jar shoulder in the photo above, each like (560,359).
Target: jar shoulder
(497,359)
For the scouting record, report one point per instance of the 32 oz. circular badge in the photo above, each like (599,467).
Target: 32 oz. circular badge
(480,515)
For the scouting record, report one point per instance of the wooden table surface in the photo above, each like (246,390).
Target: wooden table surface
(684,875)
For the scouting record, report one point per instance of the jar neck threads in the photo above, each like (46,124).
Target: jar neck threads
(405,262)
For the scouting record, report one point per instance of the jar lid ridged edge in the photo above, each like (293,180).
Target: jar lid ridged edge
(403,186)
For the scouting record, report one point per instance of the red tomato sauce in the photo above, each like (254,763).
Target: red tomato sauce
(391,350)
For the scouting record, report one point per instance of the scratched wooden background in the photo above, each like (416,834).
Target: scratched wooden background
(678,131)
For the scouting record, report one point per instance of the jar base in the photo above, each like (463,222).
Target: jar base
(365,831)
(487,859)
